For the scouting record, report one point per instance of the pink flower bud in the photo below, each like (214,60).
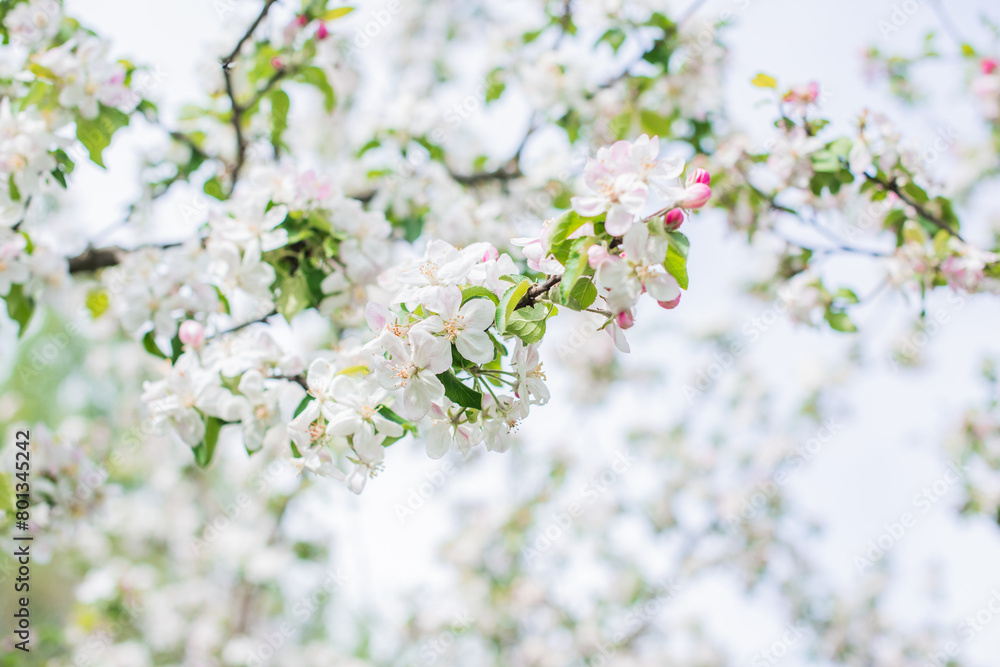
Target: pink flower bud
(673,219)
(491,253)
(699,176)
(670,305)
(989,65)
(625,320)
(597,255)
(276,63)
(696,196)
(192,334)
(302,19)
(321,31)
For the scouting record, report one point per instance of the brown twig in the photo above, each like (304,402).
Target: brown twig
(536,291)
(237,108)
(893,186)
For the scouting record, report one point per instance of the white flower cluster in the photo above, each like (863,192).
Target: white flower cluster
(440,312)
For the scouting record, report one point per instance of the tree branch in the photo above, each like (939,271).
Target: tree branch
(238,110)
(536,291)
(893,186)
(93,259)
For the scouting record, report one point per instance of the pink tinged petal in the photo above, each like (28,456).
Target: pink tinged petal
(613,272)
(589,206)
(377,316)
(696,196)
(394,345)
(467,436)
(430,352)
(597,255)
(673,219)
(618,336)
(595,174)
(192,334)
(635,241)
(438,440)
(625,319)
(632,192)
(475,346)
(448,302)
(551,267)
(699,176)
(420,392)
(670,305)
(663,287)
(478,314)
(618,221)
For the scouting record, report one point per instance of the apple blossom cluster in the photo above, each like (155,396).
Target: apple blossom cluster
(447,343)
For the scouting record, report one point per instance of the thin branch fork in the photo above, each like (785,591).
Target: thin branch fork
(893,187)
(238,109)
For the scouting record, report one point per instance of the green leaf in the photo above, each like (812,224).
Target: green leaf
(615,37)
(678,241)
(509,302)
(916,192)
(314,76)
(293,296)
(564,226)
(528,324)
(213,188)
(495,84)
(97,302)
(571,123)
(477,292)
(847,295)
(7,499)
(332,14)
(459,393)
(764,81)
(20,307)
(302,405)
(149,343)
(840,321)
(205,450)
(676,265)
(95,134)
(654,123)
(15,194)
(59,176)
(583,294)
(279,116)
(576,265)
